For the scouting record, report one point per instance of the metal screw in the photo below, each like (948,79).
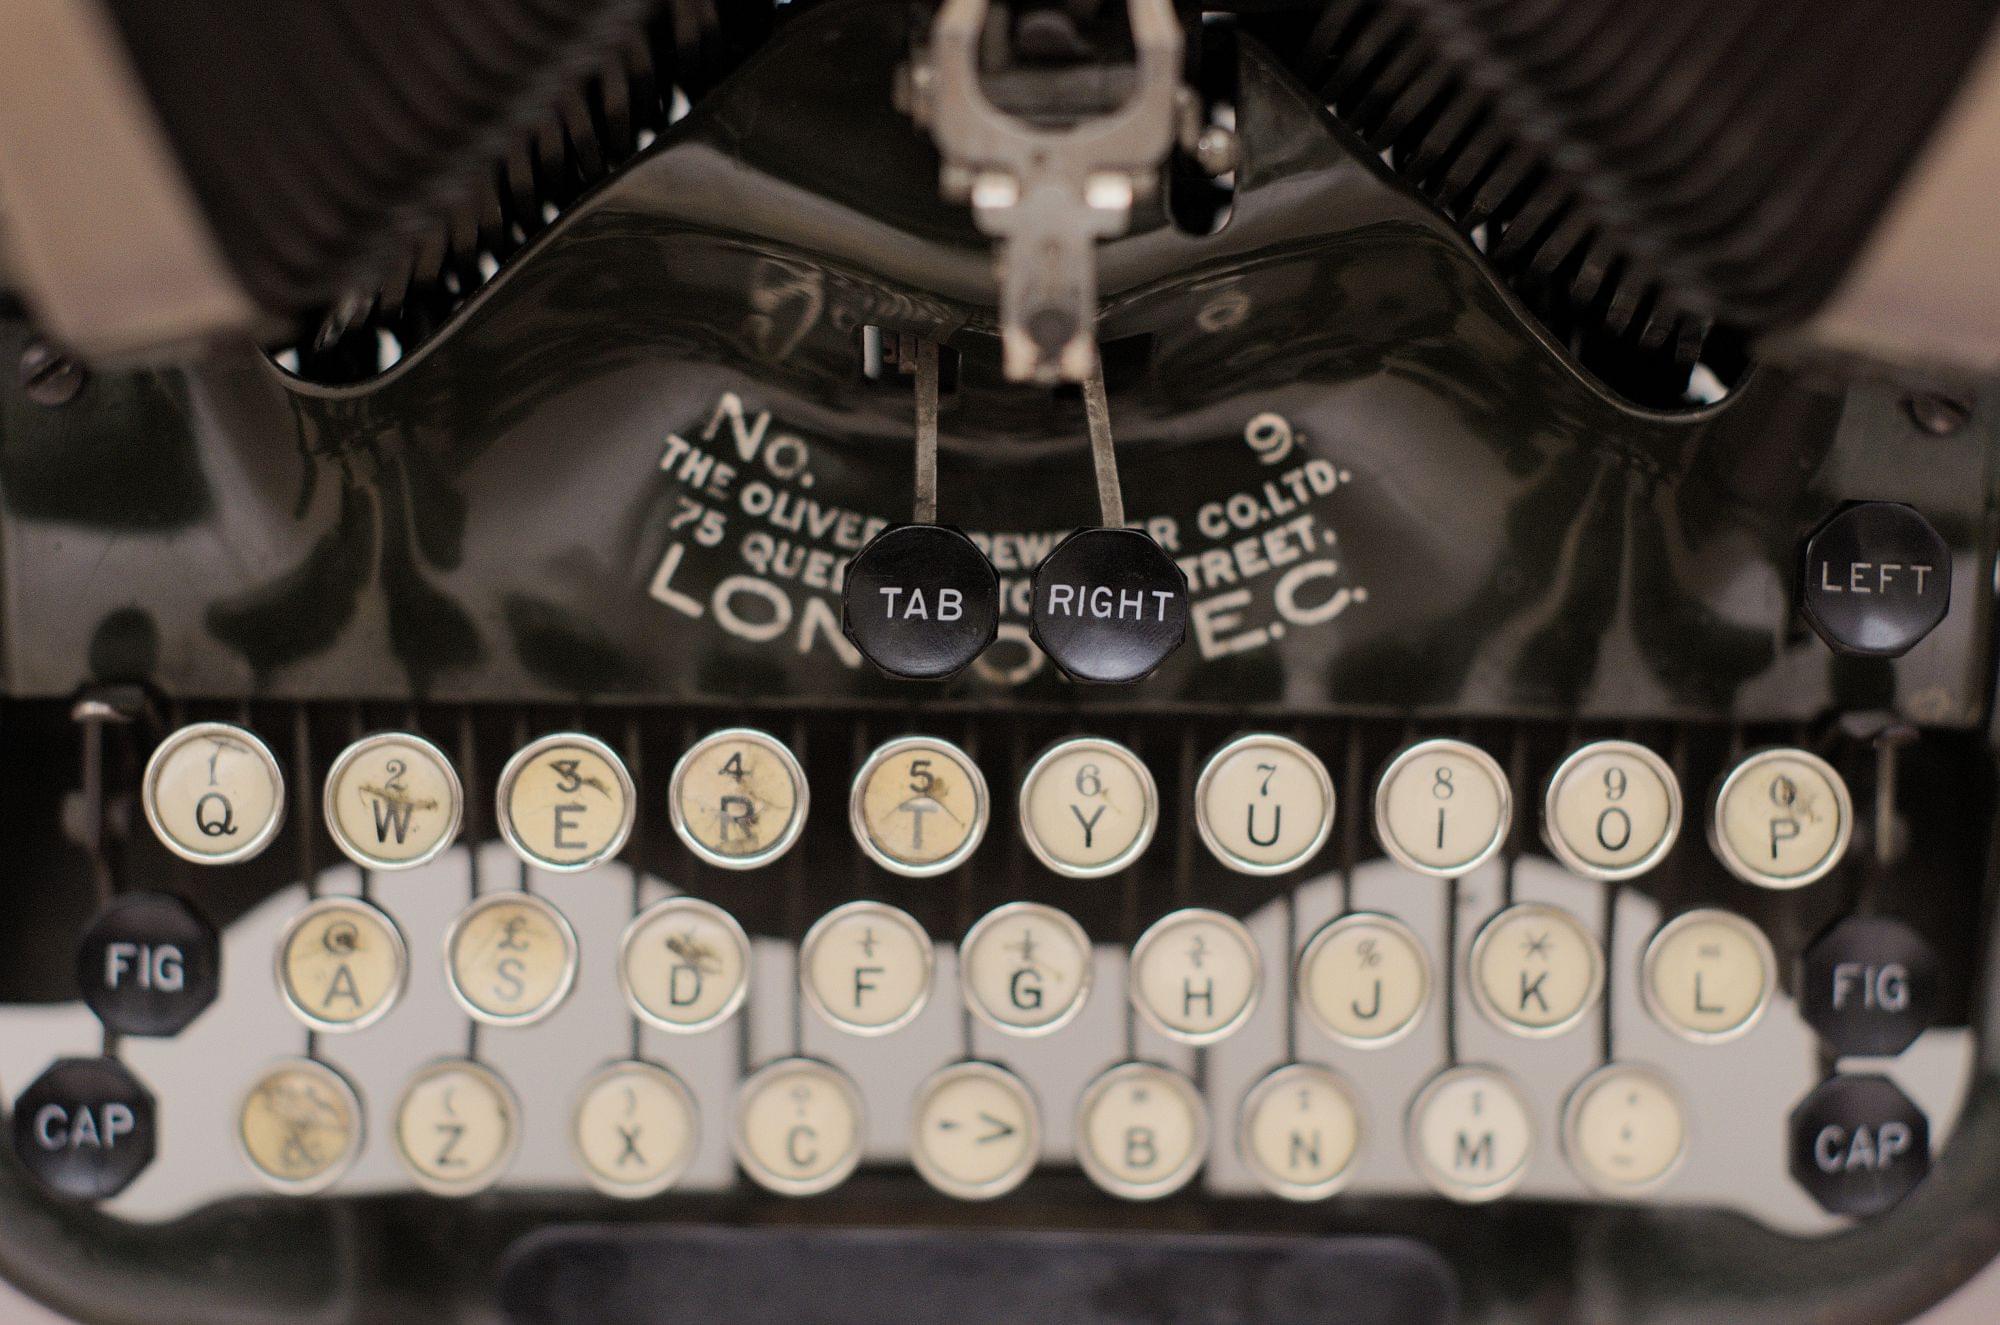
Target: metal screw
(48,376)
(1938,415)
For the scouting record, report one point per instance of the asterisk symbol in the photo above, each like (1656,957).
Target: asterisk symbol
(1537,945)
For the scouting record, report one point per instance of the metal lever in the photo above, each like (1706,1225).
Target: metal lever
(1048,195)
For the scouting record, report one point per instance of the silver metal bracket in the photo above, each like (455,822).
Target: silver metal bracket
(1047,195)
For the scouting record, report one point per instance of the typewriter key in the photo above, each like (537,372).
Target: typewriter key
(921,601)
(1782,819)
(1298,1131)
(1142,1131)
(866,967)
(566,803)
(300,1126)
(799,1127)
(738,798)
(919,806)
(1471,1134)
(635,1129)
(1025,968)
(976,1133)
(341,964)
(1708,975)
(457,1127)
(1624,1129)
(1109,605)
(214,794)
(1196,975)
(393,802)
(684,965)
(511,959)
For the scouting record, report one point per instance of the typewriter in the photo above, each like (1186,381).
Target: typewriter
(1016,660)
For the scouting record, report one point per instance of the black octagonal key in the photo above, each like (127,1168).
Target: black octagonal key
(921,601)
(1877,579)
(1870,986)
(1109,604)
(85,1128)
(1859,1144)
(148,964)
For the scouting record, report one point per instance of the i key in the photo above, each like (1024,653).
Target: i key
(921,601)
(1109,604)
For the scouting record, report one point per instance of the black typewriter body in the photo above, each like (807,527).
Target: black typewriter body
(615,494)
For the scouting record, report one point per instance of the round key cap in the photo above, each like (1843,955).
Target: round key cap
(976,1132)
(1782,819)
(149,964)
(919,806)
(341,964)
(1142,1131)
(738,799)
(1109,606)
(1708,975)
(1264,804)
(393,802)
(1612,811)
(921,601)
(457,1128)
(1624,1129)
(1365,979)
(1298,1131)
(1196,975)
(635,1129)
(866,967)
(299,1126)
(510,958)
(1471,1133)
(1025,968)
(1442,808)
(1088,807)
(566,803)
(798,1127)
(214,794)
(1536,970)
(684,965)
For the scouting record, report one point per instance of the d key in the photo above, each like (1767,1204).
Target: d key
(921,601)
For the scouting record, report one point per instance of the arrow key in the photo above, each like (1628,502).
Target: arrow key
(976,1133)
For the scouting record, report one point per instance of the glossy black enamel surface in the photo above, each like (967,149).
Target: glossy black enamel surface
(633,467)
